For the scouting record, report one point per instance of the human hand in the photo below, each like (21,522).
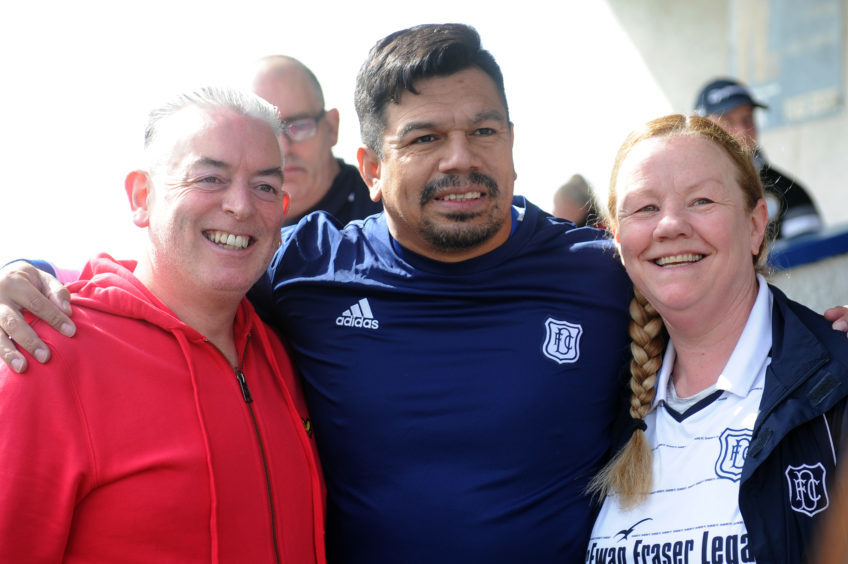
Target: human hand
(839,316)
(24,287)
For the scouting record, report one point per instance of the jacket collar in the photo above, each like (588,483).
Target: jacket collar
(797,362)
(800,370)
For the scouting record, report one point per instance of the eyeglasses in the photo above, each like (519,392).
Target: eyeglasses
(301,128)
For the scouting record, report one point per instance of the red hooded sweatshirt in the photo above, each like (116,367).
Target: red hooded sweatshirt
(137,441)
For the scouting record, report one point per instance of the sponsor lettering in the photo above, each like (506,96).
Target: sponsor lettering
(730,549)
(714,549)
(663,553)
(347,321)
(606,555)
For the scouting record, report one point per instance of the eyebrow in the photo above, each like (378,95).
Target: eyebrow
(486,115)
(209,161)
(299,116)
(273,171)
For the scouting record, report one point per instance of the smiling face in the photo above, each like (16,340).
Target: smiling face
(446,175)
(213,205)
(684,231)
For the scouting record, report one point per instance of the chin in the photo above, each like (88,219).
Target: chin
(669,296)
(461,237)
(675,302)
(232,280)
(229,286)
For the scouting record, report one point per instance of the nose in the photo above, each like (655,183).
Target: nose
(672,223)
(459,155)
(237,200)
(285,144)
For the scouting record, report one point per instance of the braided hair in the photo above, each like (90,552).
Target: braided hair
(629,473)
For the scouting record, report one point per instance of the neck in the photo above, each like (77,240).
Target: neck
(696,370)
(704,343)
(210,313)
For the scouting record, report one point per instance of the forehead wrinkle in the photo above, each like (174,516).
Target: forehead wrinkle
(209,161)
(692,175)
(708,182)
(486,115)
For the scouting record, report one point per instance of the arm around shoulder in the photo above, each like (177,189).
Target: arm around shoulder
(839,316)
(23,287)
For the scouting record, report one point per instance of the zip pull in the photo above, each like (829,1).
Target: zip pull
(245,391)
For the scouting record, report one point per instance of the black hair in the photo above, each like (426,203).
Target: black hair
(405,57)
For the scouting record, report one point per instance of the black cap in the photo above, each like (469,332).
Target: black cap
(722,95)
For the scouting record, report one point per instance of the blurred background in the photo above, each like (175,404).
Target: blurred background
(79,78)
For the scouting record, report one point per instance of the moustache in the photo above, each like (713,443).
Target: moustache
(455,181)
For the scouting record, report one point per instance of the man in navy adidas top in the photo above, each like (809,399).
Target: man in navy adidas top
(459,350)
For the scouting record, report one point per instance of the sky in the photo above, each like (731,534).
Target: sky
(80,77)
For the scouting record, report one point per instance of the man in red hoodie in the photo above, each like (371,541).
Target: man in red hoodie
(172,429)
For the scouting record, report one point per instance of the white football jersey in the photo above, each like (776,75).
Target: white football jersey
(692,513)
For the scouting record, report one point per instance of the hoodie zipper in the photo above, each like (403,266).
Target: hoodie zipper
(248,400)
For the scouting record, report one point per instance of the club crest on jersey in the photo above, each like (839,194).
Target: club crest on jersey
(562,341)
(731,457)
(807,488)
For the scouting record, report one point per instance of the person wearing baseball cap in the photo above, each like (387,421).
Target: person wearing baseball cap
(730,104)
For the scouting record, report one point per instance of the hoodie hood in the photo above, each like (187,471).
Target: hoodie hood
(153,408)
(109,285)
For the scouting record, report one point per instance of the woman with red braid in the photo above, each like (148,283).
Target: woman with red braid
(738,393)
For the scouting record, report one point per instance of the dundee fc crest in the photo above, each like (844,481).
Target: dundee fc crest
(731,457)
(562,341)
(807,488)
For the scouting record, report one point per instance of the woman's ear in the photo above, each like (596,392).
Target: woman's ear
(759,221)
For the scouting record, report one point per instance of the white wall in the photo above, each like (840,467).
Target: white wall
(684,44)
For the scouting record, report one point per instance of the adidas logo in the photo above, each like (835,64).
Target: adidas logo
(359,315)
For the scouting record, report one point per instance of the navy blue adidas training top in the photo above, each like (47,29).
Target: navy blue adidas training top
(460,408)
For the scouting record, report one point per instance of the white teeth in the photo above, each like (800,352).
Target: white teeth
(228,240)
(462,197)
(679,259)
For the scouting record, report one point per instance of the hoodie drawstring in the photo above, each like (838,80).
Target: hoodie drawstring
(185,347)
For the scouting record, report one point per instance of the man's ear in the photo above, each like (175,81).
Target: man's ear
(137,185)
(511,145)
(332,118)
(370,168)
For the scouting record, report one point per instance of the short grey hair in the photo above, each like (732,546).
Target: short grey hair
(241,102)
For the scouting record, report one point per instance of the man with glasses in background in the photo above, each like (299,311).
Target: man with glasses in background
(315,178)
